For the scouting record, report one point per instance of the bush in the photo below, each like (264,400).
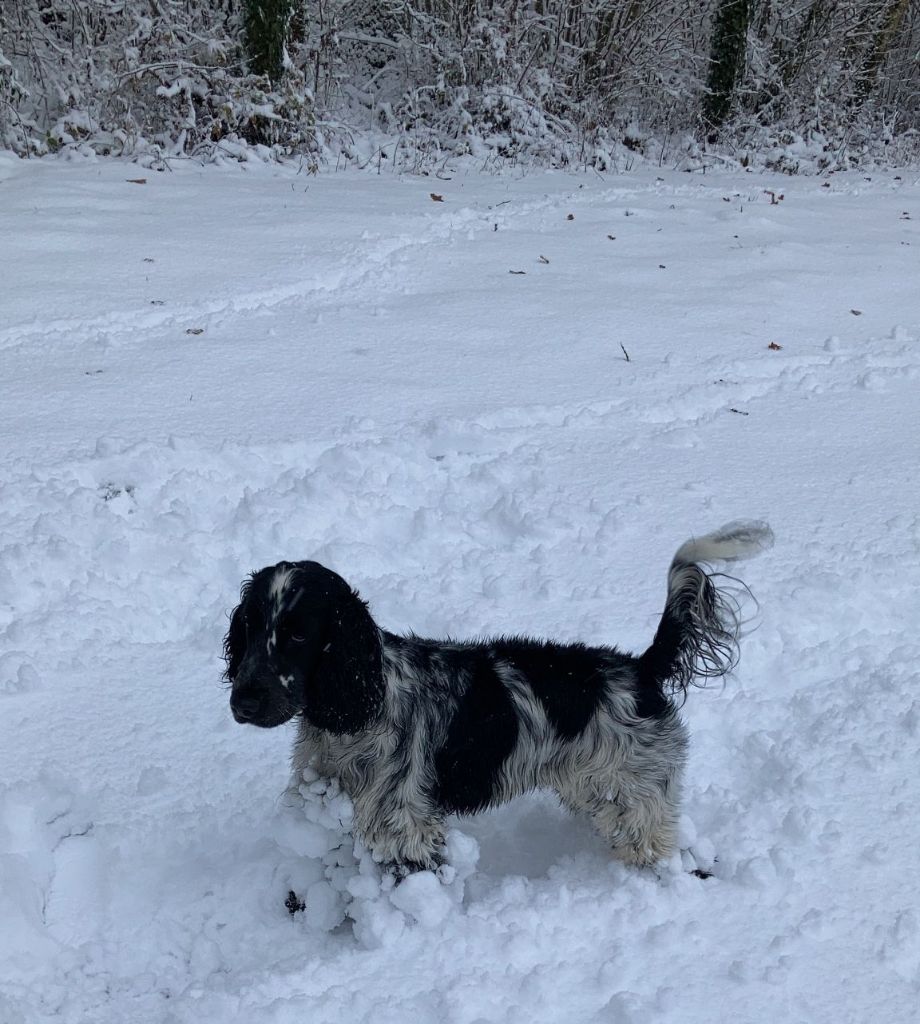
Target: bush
(588,82)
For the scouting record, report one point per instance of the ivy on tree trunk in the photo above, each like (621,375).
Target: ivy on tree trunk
(726,58)
(267,25)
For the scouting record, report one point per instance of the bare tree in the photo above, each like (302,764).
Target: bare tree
(891,21)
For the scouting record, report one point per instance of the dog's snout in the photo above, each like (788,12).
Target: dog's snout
(244,708)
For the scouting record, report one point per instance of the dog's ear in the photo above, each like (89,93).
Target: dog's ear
(235,640)
(345,689)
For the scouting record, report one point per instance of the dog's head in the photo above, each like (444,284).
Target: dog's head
(302,641)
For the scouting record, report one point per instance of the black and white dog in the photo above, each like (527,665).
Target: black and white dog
(418,729)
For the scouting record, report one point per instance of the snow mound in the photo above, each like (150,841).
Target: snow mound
(334,878)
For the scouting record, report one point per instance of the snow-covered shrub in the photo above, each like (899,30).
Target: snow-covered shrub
(584,82)
(155,78)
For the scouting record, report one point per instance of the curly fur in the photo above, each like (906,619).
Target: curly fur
(417,729)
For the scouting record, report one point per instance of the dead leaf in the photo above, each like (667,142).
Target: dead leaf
(856,312)
(435,198)
(543,259)
(612,238)
(517,271)
(774,346)
(136,181)
(740,412)
(195,330)
(570,216)
(148,259)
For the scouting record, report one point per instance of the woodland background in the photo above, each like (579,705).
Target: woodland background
(790,84)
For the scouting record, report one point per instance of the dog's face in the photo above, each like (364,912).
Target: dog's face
(301,641)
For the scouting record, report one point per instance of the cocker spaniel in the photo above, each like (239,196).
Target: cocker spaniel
(416,729)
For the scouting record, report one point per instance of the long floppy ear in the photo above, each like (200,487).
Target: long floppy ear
(345,690)
(235,640)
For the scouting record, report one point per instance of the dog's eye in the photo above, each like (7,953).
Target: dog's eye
(290,631)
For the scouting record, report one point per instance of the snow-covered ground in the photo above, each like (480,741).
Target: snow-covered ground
(215,369)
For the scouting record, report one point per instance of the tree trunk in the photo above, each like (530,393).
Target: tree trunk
(881,45)
(267,24)
(726,58)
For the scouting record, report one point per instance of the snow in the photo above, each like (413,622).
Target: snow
(371,387)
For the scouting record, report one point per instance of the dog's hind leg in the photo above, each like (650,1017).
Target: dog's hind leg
(639,820)
(635,804)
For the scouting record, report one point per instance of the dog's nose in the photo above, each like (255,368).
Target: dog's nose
(244,708)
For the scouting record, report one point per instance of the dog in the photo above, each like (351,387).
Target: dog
(416,730)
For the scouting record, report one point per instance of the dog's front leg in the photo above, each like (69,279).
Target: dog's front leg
(409,838)
(309,755)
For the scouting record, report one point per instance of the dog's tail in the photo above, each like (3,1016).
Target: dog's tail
(697,638)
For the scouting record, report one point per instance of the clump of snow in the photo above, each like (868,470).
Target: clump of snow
(339,878)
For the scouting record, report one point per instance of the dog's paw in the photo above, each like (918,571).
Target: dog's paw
(401,870)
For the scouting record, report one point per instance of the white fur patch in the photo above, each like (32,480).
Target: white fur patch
(279,584)
(734,541)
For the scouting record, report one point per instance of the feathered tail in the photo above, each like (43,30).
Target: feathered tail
(697,637)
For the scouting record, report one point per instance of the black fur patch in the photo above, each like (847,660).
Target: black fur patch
(659,662)
(651,701)
(568,680)
(482,733)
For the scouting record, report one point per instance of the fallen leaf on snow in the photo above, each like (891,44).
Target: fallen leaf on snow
(774,346)
(435,198)
(195,330)
(136,181)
